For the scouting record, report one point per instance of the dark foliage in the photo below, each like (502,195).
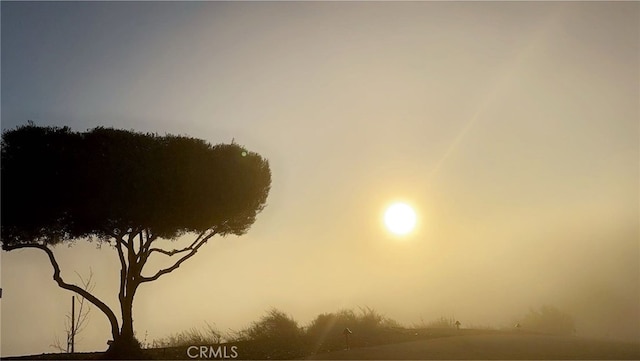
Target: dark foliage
(59,185)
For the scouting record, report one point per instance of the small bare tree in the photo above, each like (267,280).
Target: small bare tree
(73,327)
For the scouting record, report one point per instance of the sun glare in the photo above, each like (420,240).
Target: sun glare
(400,218)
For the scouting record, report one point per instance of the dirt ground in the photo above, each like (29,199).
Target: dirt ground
(493,347)
(461,346)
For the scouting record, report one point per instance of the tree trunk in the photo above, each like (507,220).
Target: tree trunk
(126,332)
(125,345)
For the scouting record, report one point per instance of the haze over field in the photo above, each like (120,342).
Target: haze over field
(510,127)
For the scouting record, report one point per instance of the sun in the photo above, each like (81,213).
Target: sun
(400,218)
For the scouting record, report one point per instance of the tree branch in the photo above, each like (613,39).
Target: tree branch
(62,284)
(134,260)
(200,236)
(140,246)
(170,253)
(131,253)
(193,249)
(121,240)
(123,267)
(150,239)
(176,251)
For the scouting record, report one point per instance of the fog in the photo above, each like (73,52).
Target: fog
(510,127)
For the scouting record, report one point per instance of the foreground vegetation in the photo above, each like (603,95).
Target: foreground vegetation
(284,338)
(278,336)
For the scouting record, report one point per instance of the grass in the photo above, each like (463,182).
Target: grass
(277,335)
(193,336)
(415,343)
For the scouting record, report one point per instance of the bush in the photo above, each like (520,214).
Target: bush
(192,336)
(442,322)
(275,325)
(548,320)
(276,334)
(326,332)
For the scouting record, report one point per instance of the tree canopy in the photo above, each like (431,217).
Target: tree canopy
(61,185)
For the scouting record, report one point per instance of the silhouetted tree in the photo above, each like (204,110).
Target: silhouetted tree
(127,190)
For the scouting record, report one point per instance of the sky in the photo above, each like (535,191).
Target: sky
(512,129)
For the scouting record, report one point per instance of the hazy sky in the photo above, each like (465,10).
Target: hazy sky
(511,127)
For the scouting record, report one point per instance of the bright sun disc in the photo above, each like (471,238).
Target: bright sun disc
(400,218)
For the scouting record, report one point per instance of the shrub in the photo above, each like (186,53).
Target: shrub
(548,320)
(442,322)
(275,336)
(325,333)
(192,336)
(275,325)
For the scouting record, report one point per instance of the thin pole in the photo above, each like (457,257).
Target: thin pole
(73,319)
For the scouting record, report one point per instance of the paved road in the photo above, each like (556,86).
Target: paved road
(493,347)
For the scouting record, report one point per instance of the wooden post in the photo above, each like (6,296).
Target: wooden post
(73,321)
(347,332)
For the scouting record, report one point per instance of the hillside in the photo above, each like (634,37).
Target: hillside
(493,347)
